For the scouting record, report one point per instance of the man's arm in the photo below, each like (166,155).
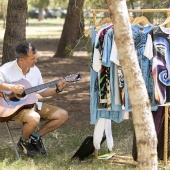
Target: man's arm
(16,88)
(51,91)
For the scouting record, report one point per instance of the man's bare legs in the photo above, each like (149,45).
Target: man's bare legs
(55,121)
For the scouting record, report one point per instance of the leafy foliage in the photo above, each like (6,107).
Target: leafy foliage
(58,3)
(40,3)
(143,4)
(95,4)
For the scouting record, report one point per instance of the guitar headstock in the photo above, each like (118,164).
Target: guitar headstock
(73,78)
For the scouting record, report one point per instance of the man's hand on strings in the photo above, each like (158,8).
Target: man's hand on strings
(17,88)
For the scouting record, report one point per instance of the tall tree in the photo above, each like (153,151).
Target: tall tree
(70,29)
(141,109)
(15,32)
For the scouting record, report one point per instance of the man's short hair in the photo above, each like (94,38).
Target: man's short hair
(23,49)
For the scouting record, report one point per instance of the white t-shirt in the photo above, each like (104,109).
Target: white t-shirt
(11,73)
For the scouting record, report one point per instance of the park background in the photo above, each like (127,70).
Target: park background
(64,142)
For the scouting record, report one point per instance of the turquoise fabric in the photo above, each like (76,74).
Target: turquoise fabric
(140,37)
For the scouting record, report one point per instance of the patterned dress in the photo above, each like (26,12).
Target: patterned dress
(115,113)
(158,49)
(140,37)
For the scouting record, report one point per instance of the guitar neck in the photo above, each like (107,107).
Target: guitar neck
(40,87)
(71,78)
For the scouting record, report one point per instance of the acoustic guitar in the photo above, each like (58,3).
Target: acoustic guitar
(11,104)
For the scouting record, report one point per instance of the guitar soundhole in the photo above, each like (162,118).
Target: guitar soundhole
(14,99)
(20,96)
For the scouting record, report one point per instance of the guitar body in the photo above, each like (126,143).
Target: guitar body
(8,110)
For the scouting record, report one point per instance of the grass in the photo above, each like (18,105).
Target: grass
(63,143)
(53,28)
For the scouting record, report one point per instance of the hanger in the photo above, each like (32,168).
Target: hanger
(165,22)
(87,31)
(141,20)
(131,19)
(104,21)
(108,20)
(135,22)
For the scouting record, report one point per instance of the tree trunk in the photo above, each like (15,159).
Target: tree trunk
(70,29)
(15,28)
(141,109)
(40,15)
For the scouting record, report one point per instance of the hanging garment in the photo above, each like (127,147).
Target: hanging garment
(104,88)
(158,49)
(98,132)
(104,82)
(116,113)
(158,117)
(108,40)
(109,136)
(104,72)
(140,37)
(98,48)
(103,126)
(118,100)
(106,61)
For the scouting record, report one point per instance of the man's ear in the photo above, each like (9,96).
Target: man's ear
(21,59)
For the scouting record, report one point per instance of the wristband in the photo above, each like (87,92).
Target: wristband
(57,90)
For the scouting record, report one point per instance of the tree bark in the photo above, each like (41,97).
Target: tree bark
(40,15)
(15,32)
(70,29)
(141,109)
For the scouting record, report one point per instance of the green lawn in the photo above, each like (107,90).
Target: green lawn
(48,28)
(63,143)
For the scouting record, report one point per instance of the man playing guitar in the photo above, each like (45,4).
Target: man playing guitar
(23,69)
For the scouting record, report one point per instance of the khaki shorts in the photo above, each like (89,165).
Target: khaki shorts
(45,112)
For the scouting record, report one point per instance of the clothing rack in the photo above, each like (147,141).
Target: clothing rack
(95,11)
(167,11)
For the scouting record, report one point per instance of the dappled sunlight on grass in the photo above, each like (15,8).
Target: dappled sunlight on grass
(51,32)
(80,53)
(45,54)
(50,22)
(48,28)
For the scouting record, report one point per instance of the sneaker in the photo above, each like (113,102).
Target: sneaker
(26,148)
(37,143)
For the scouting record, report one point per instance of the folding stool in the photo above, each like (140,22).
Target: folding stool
(13,143)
